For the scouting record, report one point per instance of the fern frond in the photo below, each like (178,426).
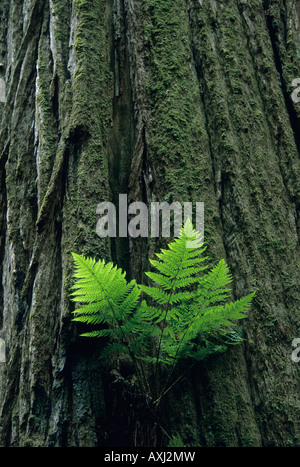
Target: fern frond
(159,295)
(100,333)
(91,308)
(190,318)
(107,298)
(218,277)
(91,319)
(177,268)
(164,281)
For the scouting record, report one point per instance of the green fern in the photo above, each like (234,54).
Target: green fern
(191,302)
(191,317)
(108,300)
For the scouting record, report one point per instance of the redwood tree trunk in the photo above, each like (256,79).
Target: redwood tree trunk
(173,100)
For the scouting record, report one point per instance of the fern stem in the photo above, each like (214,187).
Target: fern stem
(144,376)
(164,326)
(164,392)
(124,338)
(178,348)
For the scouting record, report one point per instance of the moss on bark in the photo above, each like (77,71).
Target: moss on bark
(176,101)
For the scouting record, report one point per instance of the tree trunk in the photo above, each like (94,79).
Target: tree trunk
(174,100)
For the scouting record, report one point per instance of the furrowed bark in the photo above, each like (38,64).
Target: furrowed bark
(180,100)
